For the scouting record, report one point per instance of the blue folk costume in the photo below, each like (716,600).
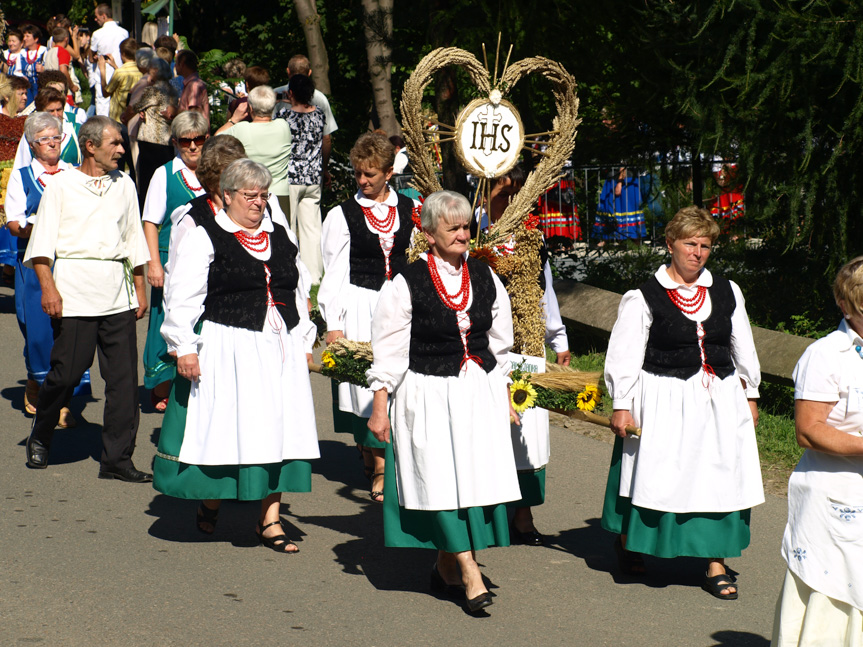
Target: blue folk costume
(156,368)
(35,325)
(621,217)
(28,69)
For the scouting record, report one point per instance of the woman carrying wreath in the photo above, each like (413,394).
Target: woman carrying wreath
(364,243)
(171,186)
(681,364)
(238,323)
(441,336)
(821,602)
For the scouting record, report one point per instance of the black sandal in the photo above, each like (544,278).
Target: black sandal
(628,562)
(208,516)
(278,543)
(715,585)
(374,494)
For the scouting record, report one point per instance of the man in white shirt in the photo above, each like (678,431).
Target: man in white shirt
(88,231)
(106,40)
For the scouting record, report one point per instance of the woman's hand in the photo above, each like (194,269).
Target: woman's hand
(379,423)
(155,273)
(333,335)
(514,418)
(563,358)
(188,367)
(753,407)
(620,420)
(241,112)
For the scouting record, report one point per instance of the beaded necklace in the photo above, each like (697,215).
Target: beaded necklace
(212,206)
(259,243)
(457,301)
(688,305)
(382,225)
(39,179)
(193,189)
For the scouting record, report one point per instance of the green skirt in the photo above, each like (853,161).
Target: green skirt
(453,531)
(348,423)
(532,486)
(157,367)
(241,482)
(669,534)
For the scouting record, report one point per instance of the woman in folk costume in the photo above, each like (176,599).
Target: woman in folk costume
(43,133)
(821,602)
(364,243)
(51,101)
(620,213)
(171,186)
(681,364)
(530,439)
(441,336)
(237,321)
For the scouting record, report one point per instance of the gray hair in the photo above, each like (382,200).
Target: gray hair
(163,70)
(262,100)
(39,121)
(93,129)
(190,122)
(143,58)
(245,174)
(444,205)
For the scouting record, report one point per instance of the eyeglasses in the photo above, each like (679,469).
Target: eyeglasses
(44,141)
(185,142)
(251,197)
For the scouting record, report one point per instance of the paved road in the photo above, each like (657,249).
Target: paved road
(91,562)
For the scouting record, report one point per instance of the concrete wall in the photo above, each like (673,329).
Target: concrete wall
(594,311)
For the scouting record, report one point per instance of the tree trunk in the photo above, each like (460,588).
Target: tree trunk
(307,12)
(378,22)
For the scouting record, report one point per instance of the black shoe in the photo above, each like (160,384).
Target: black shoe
(128,474)
(37,454)
(530,538)
(481,601)
(440,586)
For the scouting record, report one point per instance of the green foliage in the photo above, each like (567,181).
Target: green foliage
(347,369)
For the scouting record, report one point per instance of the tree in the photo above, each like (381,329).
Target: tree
(307,12)
(378,29)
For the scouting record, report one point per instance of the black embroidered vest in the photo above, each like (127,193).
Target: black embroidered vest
(672,347)
(368,266)
(237,282)
(199,210)
(436,347)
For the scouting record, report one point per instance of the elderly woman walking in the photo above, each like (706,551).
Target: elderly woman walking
(43,132)
(681,364)
(821,602)
(364,243)
(441,333)
(172,186)
(238,324)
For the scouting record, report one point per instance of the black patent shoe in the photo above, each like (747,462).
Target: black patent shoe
(530,538)
(37,454)
(443,588)
(127,474)
(478,603)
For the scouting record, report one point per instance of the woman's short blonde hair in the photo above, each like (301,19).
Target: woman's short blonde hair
(848,286)
(692,222)
(373,150)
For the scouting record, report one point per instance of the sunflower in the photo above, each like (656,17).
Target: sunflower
(589,398)
(484,254)
(522,395)
(327,360)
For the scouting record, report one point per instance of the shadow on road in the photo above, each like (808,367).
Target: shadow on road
(739,639)
(595,546)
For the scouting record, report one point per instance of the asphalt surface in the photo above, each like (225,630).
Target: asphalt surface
(88,562)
